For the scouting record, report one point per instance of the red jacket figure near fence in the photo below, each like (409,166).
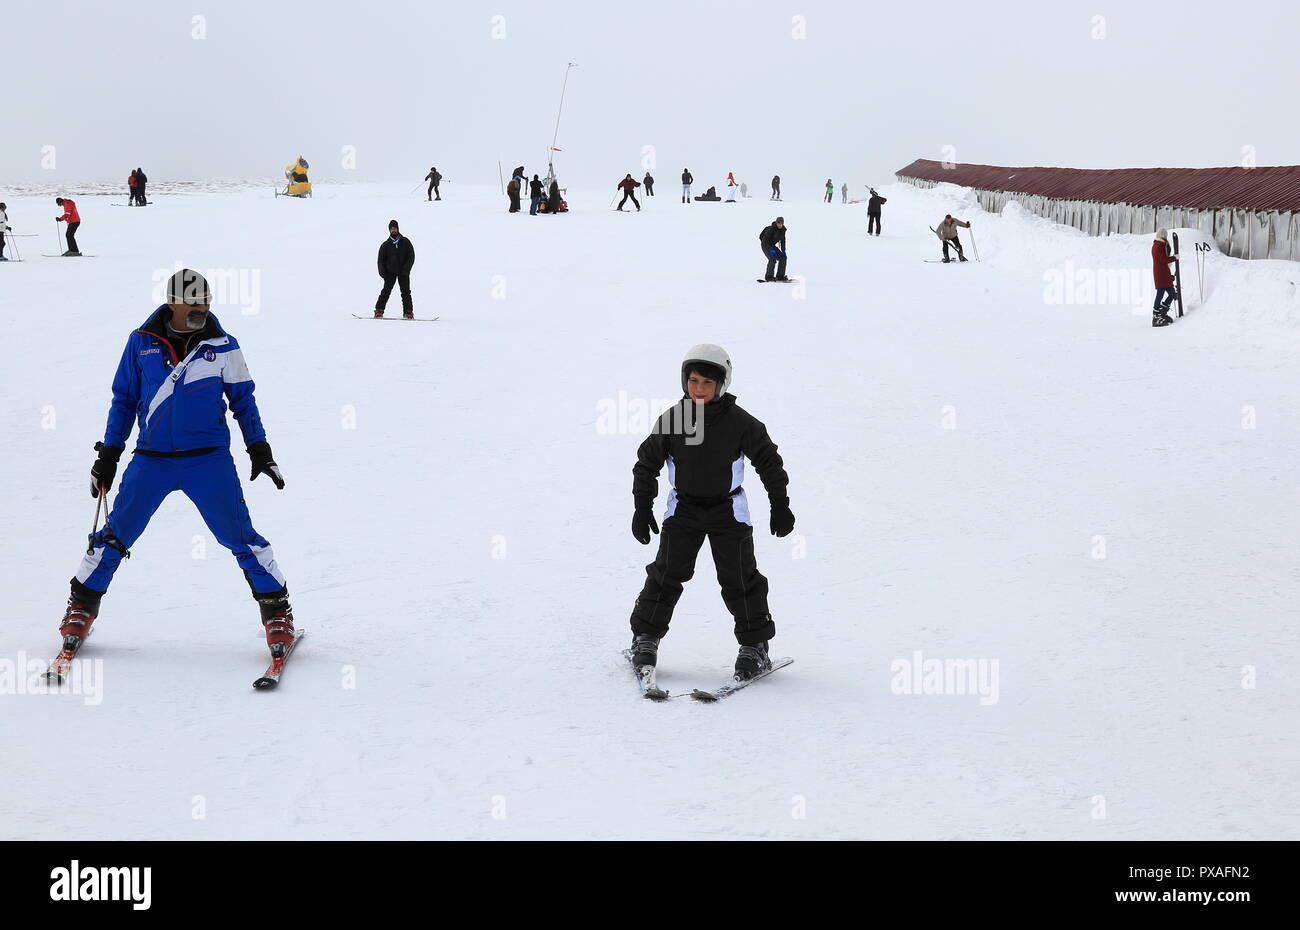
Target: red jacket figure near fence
(1160,261)
(70,214)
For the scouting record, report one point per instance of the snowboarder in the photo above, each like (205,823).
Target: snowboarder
(73,219)
(140,181)
(534,195)
(1161,258)
(434,179)
(649,183)
(873,212)
(776,187)
(687,181)
(830,190)
(396,258)
(844,193)
(947,233)
(705,439)
(627,186)
(4,228)
(772,241)
(176,375)
(731,188)
(512,191)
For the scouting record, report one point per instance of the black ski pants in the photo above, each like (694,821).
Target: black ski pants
(873,223)
(71,235)
(626,195)
(775,263)
(744,589)
(404,281)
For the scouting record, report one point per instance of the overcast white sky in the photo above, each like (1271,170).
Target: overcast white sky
(712,86)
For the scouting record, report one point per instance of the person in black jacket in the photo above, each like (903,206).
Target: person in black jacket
(434,179)
(772,240)
(704,439)
(873,212)
(534,195)
(140,182)
(649,183)
(396,258)
(687,181)
(776,187)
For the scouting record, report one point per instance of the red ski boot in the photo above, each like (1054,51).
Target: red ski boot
(277,618)
(76,623)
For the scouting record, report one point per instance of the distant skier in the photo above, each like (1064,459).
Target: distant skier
(534,195)
(434,179)
(649,183)
(177,374)
(772,241)
(830,190)
(627,186)
(844,193)
(687,181)
(873,212)
(731,188)
(73,219)
(4,229)
(1162,257)
(776,187)
(512,191)
(140,181)
(947,233)
(704,439)
(396,259)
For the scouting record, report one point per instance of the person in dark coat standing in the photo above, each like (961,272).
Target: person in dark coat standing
(512,191)
(649,183)
(396,258)
(873,213)
(627,186)
(776,187)
(687,181)
(534,195)
(1161,258)
(553,198)
(140,182)
(772,240)
(434,179)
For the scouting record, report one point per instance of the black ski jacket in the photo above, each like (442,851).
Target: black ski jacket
(396,259)
(686,178)
(772,235)
(709,470)
(873,205)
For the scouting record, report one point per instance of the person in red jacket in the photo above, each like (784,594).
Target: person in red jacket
(73,219)
(131,182)
(627,186)
(1161,258)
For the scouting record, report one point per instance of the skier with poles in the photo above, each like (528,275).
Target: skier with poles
(705,438)
(687,181)
(396,259)
(873,212)
(434,179)
(73,219)
(772,241)
(627,186)
(1162,257)
(176,375)
(947,233)
(4,230)
(649,183)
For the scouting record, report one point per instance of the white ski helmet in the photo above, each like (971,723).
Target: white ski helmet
(713,355)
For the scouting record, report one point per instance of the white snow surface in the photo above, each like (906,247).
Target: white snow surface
(455,531)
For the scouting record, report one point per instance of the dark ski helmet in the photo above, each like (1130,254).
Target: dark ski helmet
(188,287)
(711,360)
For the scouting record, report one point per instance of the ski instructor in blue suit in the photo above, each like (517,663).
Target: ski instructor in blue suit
(177,373)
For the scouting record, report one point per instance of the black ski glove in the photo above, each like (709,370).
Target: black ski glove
(264,463)
(105,468)
(643,524)
(782,522)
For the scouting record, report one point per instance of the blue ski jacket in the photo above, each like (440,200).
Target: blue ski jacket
(180,404)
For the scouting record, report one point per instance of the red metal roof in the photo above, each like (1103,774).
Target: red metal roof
(1270,188)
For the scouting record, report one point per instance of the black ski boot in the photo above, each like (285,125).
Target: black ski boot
(277,618)
(645,650)
(752,660)
(1161,317)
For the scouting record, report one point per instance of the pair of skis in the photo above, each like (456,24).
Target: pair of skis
(57,672)
(650,690)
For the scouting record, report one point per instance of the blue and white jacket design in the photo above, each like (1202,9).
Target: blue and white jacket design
(180,404)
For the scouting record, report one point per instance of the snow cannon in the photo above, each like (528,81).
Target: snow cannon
(296,174)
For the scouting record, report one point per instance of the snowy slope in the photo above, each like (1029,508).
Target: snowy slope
(455,532)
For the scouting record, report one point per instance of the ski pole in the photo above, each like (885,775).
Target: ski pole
(94,527)
(56,235)
(414,189)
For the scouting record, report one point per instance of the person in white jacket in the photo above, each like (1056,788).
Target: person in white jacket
(4,228)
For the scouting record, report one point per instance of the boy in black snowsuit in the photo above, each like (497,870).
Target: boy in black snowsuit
(704,440)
